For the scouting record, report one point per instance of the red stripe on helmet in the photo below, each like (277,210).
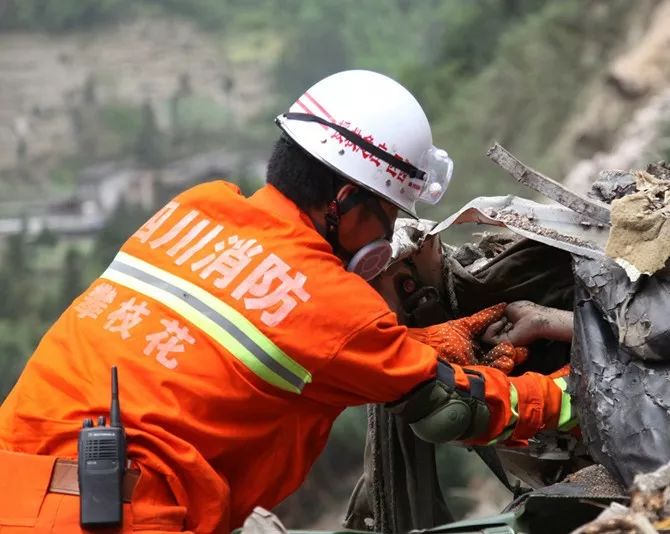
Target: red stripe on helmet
(307,110)
(320,107)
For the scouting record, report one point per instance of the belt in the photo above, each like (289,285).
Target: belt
(64,479)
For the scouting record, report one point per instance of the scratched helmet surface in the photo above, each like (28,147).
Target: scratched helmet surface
(372,131)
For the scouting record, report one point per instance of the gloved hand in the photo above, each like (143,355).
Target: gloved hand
(505,357)
(454,341)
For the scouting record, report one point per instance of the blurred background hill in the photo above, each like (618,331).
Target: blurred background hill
(109,107)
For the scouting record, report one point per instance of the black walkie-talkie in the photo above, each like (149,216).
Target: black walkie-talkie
(102,463)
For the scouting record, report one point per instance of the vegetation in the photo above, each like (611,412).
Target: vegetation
(61,15)
(523,95)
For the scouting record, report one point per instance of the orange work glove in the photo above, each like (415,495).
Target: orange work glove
(454,340)
(505,357)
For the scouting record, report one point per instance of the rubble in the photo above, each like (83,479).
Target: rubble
(619,354)
(487,245)
(595,480)
(651,495)
(640,235)
(611,185)
(618,519)
(591,208)
(550,224)
(648,513)
(513,218)
(262,521)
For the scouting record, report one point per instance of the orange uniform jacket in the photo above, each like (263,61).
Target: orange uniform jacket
(239,338)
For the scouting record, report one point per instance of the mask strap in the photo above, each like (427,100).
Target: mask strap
(332,223)
(376,207)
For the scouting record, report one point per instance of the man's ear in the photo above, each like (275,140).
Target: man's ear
(345,191)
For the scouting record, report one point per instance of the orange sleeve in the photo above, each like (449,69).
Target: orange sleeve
(378,363)
(522,406)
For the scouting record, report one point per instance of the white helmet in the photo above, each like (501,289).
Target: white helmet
(372,131)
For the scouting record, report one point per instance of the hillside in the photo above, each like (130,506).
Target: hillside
(97,82)
(563,84)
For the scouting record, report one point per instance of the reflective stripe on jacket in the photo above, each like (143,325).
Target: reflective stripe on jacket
(239,338)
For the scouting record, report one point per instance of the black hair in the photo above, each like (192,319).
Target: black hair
(299,176)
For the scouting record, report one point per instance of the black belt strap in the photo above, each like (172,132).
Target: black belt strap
(488,454)
(446,375)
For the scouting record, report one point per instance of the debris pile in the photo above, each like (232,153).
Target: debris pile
(555,255)
(512,218)
(639,240)
(595,480)
(612,184)
(648,513)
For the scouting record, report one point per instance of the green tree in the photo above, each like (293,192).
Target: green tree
(19,318)
(12,360)
(317,27)
(60,15)
(15,278)
(123,223)
(149,146)
(72,281)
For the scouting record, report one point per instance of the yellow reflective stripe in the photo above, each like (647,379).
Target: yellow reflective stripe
(239,320)
(514,417)
(566,421)
(205,324)
(215,318)
(514,404)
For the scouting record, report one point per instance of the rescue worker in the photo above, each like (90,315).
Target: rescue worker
(242,327)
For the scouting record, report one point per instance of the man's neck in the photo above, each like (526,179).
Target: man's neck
(318,218)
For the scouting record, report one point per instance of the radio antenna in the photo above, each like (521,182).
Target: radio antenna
(115,410)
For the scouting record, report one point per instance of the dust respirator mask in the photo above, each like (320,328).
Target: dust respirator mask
(371,259)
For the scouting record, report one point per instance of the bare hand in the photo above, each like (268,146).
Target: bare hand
(526,322)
